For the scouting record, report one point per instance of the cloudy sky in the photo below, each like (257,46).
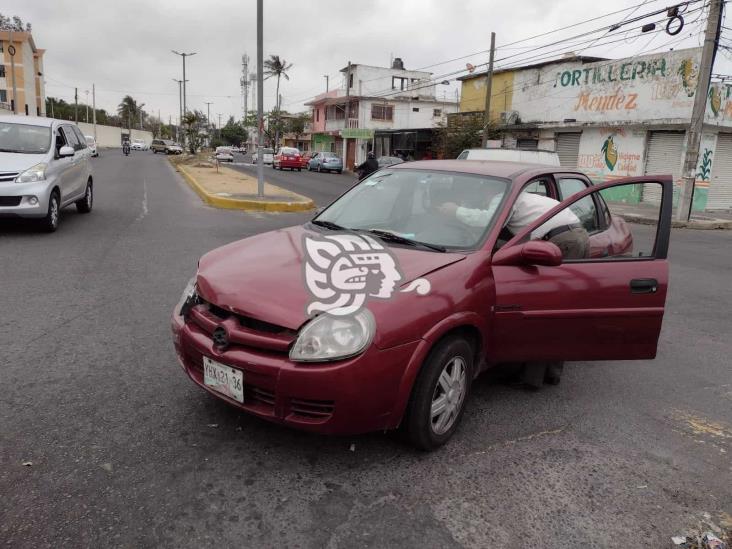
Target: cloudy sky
(125,47)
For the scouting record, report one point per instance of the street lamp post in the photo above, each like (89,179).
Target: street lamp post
(180,105)
(184,55)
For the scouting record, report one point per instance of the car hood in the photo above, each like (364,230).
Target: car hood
(263,276)
(19,162)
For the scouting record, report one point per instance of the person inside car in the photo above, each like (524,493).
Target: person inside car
(368,167)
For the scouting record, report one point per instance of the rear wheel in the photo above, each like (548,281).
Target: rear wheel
(85,204)
(50,222)
(439,394)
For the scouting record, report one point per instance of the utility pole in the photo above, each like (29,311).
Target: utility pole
(219,115)
(87,106)
(348,115)
(76,105)
(327,82)
(488,91)
(260,102)
(11,51)
(94,109)
(696,127)
(184,55)
(180,107)
(208,111)
(141,128)
(244,81)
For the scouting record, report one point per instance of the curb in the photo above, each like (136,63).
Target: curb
(712,224)
(227,203)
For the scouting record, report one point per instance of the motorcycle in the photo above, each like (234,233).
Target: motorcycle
(126,149)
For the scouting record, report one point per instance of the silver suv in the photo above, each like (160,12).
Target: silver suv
(44,165)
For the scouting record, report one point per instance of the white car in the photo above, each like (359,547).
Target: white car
(224,154)
(138,145)
(92,144)
(267,156)
(547,158)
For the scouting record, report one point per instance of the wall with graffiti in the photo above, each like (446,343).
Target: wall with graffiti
(704,170)
(719,105)
(636,89)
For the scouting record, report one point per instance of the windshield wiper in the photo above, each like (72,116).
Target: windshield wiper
(328,225)
(393,237)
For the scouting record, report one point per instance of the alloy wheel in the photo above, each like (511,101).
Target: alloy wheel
(449,395)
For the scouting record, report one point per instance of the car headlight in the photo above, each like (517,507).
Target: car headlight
(33,174)
(189,297)
(329,337)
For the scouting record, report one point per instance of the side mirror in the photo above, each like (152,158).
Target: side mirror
(534,252)
(65,151)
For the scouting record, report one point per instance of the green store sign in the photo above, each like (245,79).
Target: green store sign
(357,133)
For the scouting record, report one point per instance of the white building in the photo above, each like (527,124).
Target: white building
(384,109)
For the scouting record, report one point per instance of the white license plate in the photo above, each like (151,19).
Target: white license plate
(223,379)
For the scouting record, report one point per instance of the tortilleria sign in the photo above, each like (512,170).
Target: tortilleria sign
(357,133)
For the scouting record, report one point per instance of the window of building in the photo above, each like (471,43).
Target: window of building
(2,71)
(382,112)
(399,83)
(1,46)
(436,112)
(317,115)
(415,109)
(3,96)
(350,80)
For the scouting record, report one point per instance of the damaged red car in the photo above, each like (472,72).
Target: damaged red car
(380,312)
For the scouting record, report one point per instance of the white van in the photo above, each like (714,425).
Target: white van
(549,158)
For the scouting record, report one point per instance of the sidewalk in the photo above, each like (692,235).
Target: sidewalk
(647,214)
(230,189)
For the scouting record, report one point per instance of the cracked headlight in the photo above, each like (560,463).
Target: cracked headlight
(328,337)
(189,297)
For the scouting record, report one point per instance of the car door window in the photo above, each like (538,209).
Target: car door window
(540,187)
(60,140)
(586,208)
(80,137)
(622,240)
(71,139)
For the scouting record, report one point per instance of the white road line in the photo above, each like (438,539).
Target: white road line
(144,200)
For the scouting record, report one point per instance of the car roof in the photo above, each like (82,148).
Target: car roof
(495,168)
(29,120)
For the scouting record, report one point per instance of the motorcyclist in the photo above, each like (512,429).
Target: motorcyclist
(126,146)
(368,167)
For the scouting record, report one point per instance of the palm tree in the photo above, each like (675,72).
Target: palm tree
(274,66)
(129,110)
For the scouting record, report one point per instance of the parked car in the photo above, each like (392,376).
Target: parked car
(549,158)
(305,158)
(267,156)
(166,146)
(325,161)
(139,145)
(44,166)
(381,311)
(224,154)
(92,144)
(385,161)
(287,157)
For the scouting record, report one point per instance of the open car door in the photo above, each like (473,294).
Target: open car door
(608,305)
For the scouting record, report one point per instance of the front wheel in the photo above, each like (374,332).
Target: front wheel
(85,204)
(439,394)
(50,222)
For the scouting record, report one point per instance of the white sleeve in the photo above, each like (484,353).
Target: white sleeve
(475,217)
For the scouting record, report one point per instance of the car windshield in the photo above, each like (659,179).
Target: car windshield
(329,155)
(421,205)
(168,142)
(89,139)
(289,150)
(24,138)
(267,151)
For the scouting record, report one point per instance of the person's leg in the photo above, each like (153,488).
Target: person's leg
(573,243)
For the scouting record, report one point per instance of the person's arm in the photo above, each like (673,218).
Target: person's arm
(476,217)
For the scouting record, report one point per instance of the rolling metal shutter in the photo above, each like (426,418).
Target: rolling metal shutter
(664,156)
(568,149)
(720,188)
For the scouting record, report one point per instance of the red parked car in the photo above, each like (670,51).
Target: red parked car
(287,157)
(380,312)
(305,158)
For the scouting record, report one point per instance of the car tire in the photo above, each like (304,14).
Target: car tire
(154,151)
(339,171)
(446,376)
(85,204)
(50,223)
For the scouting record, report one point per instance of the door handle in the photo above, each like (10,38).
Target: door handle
(643,286)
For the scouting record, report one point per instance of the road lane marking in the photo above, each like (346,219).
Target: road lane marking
(144,201)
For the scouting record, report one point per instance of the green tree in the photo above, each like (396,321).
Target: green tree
(129,111)
(194,126)
(14,23)
(233,133)
(296,125)
(276,67)
(462,131)
(60,109)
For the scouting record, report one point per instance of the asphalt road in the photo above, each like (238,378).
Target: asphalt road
(124,451)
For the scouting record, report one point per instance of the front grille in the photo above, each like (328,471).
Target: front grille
(8,176)
(10,200)
(312,409)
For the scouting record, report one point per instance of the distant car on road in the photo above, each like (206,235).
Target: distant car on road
(267,156)
(166,146)
(385,161)
(44,166)
(326,161)
(224,154)
(287,157)
(92,144)
(139,145)
(547,158)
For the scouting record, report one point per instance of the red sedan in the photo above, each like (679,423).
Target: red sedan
(381,311)
(287,157)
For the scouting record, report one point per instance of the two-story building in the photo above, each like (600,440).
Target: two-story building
(28,63)
(380,109)
(614,118)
